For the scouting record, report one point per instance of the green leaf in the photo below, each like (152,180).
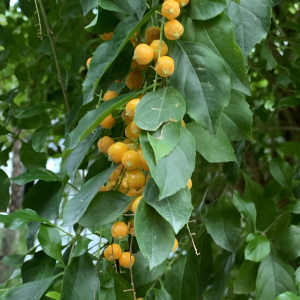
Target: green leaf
(204,10)
(297,275)
(161,294)
(236,119)
(293,206)
(106,207)
(108,5)
(139,7)
(154,235)
(288,296)
(101,164)
(175,209)
(223,224)
(88,5)
(266,53)
(223,267)
(290,101)
(39,267)
(31,159)
(183,280)
(4,191)
(33,110)
(258,247)
(74,160)
(20,218)
(164,139)
(202,79)
(142,275)
(79,279)
(245,280)
(76,207)
(13,260)
(251,22)
(148,151)
(38,173)
(213,149)
(290,243)
(81,246)
(50,241)
(282,172)
(173,171)
(39,138)
(159,107)
(275,276)
(3,130)
(208,33)
(245,207)
(107,52)
(31,290)
(53,295)
(65,59)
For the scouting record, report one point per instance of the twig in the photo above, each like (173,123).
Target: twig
(40,33)
(195,248)
(54,53)
(131,275)
(273,223)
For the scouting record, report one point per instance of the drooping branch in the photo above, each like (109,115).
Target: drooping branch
(54,53)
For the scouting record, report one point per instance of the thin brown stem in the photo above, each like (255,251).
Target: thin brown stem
(40,33)
(195,248)
(131,275)
(54,53)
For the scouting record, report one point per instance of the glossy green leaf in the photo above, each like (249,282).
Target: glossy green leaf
(223,266)
(208,33)
(290,101)
(38,173)
(79,279)
(281,171)
(236,119)
(175,209)
(4,191)
(223,224)
(13,260)
(245,280)
(31,290)
(245,207)
(50,241)
(202,79)
(139,7)
(39,138)
(53,295)
(77,206)
(288,296)
(251,22)
(290,243)
(154,235)
(297,276)
(159,107)
(107,52)
(173,171)
(39,267)
(109,5)
(31,159)
(65,60)
(213,149)
(73,161)
(88,5)
(148,151)
(81,246)
(106,207)
(20,218)
(161,294)
(275,276)
(100,165)
(266,53)
(164,140)
(206,9)
(258,247)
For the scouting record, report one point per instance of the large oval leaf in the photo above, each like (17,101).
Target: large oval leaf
(154,235)
(218,35)
(158,107)
(202,79)
(106,207)
(206,9)
(175,209)
(173,171)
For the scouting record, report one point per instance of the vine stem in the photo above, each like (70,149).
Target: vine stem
(159,50)
(131,275)
(195,248)
(73,245)
(54,53)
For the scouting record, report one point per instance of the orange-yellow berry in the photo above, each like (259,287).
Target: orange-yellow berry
(190,184)
(173,30)
(143,54)
(104,143)
(119,230)
(164,66)
(136,179)
(126,260)
(103,189)
(151,34)
(109,95)
(106,36)
(163,48)
(183,123)
(135,204)
(108,122)
(111,184)
(116,152)
(129,133)
(113,252)
(134,80)
(115,175)
(175,245)
(135,129)
(137,67)
(131,160)
(125,118)
(143,162)
(170,9)
(88,62)
(130,108)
